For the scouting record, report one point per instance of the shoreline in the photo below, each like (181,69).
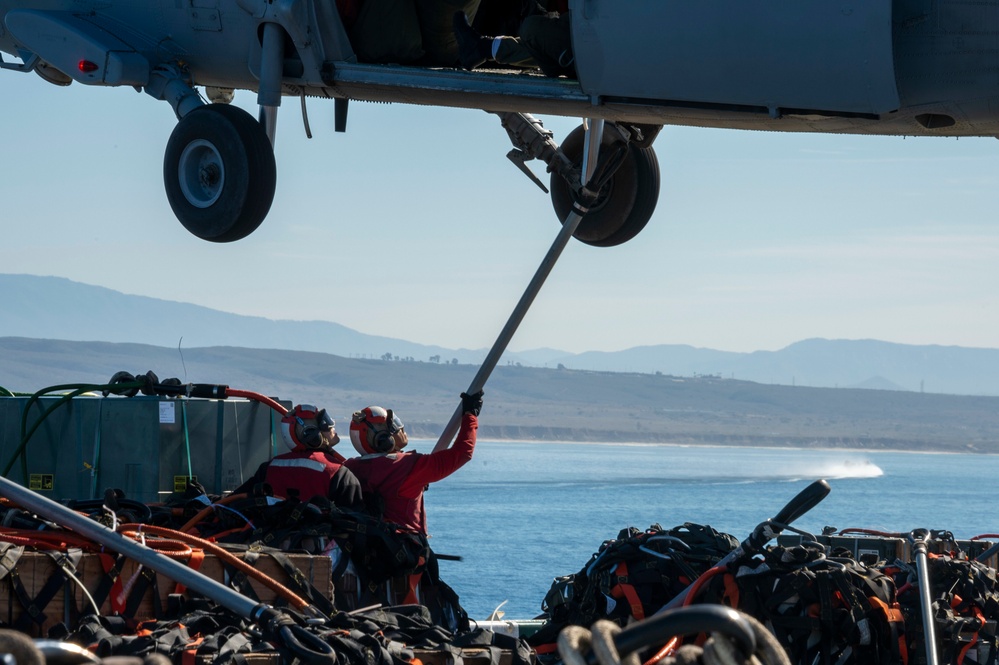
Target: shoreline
(909,451)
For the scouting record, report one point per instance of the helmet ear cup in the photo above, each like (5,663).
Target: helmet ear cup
(309,435)
(383,441)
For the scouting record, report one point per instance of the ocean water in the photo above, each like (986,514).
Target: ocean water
(520,514)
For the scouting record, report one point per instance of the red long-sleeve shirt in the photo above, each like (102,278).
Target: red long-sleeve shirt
(309,473)
(400,478)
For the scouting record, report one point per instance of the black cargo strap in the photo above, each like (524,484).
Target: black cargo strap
(238,579)
(225,646)
(107,584)
(281,520)
(358,646)
(146,579)
(300,583)
(297,581)
(457,657)
(495,643)
(9,556)
(34,608)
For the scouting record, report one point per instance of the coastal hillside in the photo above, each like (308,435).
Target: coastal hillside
(542,404)
(57,308)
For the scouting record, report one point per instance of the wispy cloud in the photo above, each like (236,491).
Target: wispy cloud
(882,247)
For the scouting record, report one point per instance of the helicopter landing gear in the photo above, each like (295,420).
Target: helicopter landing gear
(219,168)
(219,172)
(627,172)
(624,204)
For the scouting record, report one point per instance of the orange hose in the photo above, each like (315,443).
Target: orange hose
(695,588)
(222,534)
(257,397)
(869,532)
(236,562)
(668,650)
(208,510)
(61,540)
(174,549)
(54,541)
(671,646)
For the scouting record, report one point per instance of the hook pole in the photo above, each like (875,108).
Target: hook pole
(594,132)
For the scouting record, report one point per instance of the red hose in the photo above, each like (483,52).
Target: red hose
(47,540)
(268,581)
(256,397)
(695,588)
(209,510)
(870,532)
(668,650)
(671,646)
(169,542)
(214,538)
(62,540)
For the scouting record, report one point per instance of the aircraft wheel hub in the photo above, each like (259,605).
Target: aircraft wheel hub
(201,173)
(625,203)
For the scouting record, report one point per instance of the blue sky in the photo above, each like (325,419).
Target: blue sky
(414,225)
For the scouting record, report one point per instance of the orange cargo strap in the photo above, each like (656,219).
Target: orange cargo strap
(974,638)
(414,584)
(194,563)
(893,614)
(731,590)
(623,588)
(190,654)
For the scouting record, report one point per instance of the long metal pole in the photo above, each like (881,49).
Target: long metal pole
(113,540)
(919,538)
(594,133)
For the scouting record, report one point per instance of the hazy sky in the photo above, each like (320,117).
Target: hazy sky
(414,225)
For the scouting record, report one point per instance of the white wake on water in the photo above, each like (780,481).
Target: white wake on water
(843,468)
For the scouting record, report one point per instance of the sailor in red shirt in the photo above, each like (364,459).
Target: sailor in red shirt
(311,468)
(399,478)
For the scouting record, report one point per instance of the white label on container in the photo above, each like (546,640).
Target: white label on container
(167,413)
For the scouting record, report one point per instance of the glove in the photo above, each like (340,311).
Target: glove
(471,403)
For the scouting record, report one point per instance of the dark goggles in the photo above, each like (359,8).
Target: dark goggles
(324,422)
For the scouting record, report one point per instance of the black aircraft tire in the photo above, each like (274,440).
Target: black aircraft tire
(624,205)
(219,172)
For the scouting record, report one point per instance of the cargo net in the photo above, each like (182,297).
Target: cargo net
(369,593)
(821,604)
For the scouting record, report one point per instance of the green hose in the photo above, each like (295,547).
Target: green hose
(76,389)
(187,440)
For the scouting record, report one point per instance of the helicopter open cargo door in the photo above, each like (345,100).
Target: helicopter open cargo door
(829,57)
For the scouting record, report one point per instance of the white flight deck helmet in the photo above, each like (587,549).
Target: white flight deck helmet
(372,430)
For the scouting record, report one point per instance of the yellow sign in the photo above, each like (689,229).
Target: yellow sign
(44,482)
(180,483)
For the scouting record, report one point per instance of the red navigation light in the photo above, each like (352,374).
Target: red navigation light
(86,66)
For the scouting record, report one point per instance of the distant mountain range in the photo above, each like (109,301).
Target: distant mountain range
(59,309)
